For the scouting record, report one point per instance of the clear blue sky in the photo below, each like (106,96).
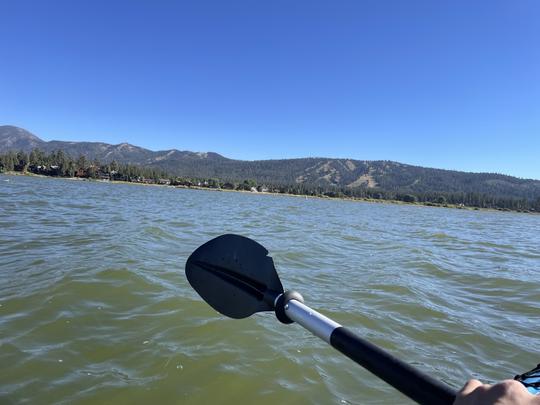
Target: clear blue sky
(452,84)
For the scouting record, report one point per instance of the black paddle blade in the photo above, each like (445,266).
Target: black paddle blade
(234,275)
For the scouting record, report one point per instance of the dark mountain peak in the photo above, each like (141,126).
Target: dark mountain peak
(126,146)
(11,131)
(15,138)
(211,155)
(175,154)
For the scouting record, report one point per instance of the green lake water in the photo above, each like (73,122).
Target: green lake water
(95,307)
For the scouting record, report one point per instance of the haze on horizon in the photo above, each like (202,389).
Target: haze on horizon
(451,85)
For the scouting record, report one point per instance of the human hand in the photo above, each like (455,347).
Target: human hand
(507,392)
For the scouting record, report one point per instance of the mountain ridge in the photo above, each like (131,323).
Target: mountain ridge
(316,171)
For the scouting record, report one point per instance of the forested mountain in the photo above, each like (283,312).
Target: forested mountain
(18,139)
(386,176)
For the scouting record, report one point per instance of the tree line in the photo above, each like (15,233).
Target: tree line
(60,164)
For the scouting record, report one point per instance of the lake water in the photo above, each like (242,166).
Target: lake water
(95,307)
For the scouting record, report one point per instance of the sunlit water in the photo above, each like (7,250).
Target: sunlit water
(95,306)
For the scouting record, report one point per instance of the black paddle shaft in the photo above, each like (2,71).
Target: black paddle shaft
(416,385)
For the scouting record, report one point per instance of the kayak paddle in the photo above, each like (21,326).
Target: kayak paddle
(237,278)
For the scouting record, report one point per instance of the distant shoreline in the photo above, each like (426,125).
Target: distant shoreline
(351,199)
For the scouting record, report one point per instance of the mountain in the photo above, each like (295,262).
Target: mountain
(173,161)
(14,138)
(343,173)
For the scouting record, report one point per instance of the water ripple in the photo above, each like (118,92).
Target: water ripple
(94,306)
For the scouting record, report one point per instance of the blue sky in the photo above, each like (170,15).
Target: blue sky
(452,84)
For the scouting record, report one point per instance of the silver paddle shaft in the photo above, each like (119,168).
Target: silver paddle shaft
(315,322)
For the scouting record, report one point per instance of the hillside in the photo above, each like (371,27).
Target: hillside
(325,172)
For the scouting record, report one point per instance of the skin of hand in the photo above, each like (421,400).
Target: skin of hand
(507,392)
